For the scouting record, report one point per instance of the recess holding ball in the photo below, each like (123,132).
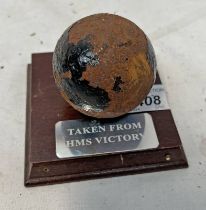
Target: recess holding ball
(104,65)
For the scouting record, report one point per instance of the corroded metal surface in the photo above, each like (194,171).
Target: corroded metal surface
(104,65)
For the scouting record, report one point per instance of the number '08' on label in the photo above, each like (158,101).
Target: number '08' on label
(155,100)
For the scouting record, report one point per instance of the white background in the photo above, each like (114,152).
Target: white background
(177,30)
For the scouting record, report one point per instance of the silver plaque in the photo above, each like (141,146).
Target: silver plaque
(80,138)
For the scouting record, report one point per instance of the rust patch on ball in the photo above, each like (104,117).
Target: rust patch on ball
(104,65)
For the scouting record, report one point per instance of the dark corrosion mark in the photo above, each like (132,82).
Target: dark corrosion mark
(75,58)
(125,44)
(105,46)
(83,94)
(151,57)
(117,83)
(79,56)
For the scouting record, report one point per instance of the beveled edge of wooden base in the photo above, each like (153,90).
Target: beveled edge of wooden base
(178,163)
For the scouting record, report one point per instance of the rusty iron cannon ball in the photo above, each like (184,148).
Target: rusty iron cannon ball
(104,65)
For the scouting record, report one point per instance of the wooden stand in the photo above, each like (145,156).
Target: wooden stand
(45,107)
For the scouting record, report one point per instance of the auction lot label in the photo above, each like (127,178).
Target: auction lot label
(156,100)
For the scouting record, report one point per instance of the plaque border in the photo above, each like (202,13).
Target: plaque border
(60,143)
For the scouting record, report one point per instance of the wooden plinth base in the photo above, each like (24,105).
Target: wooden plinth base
(45,107)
